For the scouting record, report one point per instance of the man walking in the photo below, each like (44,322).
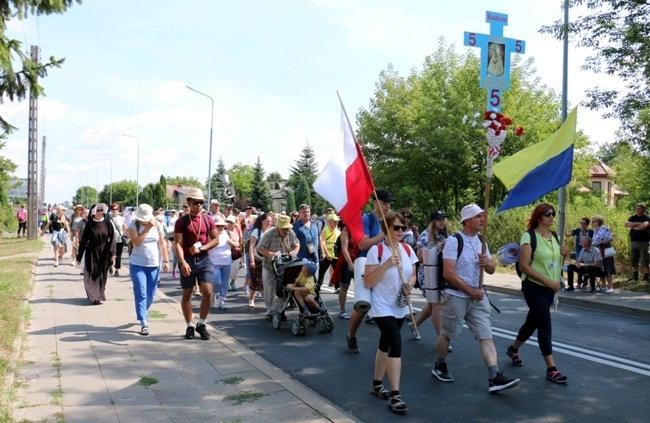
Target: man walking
(194,235)
(372,235)
(275,242)
(464,301)
(214,209)
(639,237)
(307,233)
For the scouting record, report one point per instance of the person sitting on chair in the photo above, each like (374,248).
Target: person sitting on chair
(588,263)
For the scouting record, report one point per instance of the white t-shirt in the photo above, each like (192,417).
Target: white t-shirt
(220,254)
(146,254)
(467,267)
(384,293)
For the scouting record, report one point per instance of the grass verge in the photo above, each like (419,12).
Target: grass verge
(15,285)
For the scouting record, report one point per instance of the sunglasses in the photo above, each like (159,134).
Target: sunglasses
(99,211)
(407,216)
(399,228)
(198,202)
(549,214)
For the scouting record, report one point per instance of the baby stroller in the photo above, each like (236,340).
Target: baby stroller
(287,270)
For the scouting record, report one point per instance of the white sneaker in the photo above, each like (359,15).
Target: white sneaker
(222,305)
(251,303)
(416,334)
(609,290)
(56,263)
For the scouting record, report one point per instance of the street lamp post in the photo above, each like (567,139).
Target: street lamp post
(111,195)
(211,125)
(96,191)
(137,172)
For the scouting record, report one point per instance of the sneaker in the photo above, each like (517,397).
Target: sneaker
(597,289)
(232,287)
(440,371)
(416,334)
(56,263)
(251,303)
(247,289)
(570,289)
(500,383)
(306,311)
(370,320)
(117,273)
(203,331)
(258,294)
(353,347)
(189,332)
(222,306)
(450,349)
(144,331)
(344,315)
(609,290)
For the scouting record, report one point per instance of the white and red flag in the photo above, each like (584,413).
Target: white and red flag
(345,181)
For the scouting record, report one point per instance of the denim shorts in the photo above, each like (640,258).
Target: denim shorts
(201,271)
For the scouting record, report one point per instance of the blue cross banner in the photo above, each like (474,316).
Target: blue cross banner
(495,56)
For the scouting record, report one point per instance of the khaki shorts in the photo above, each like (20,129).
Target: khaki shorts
(456,310)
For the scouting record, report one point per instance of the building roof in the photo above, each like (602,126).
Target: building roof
(601,170)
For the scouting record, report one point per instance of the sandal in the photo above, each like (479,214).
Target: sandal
(556,377)
(516,361)
(397,405)
(380,391)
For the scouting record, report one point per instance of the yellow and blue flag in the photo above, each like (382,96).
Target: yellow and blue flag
(539,169)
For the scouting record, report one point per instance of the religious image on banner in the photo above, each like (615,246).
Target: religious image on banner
(496,59)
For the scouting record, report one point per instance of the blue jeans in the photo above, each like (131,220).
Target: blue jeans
(145,283)
(221,280)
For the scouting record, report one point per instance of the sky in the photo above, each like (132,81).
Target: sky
(273,68)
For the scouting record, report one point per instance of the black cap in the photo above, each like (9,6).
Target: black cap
(436,215)
(384,195)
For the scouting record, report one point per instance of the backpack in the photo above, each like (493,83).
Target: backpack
(533,245)
(444,284)
(380,250)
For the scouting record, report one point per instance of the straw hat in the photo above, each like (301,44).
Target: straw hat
(218,221)
(196,194)
(231,219)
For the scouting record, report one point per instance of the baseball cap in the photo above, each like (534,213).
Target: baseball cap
(384,195)
(436,215)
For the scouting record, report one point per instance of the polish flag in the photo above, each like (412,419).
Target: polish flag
(345,181)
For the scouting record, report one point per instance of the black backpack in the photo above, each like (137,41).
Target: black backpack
(533,245)
(444,284)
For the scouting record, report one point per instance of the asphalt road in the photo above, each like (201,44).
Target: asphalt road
(604,355)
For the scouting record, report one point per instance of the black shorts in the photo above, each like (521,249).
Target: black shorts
(201,271)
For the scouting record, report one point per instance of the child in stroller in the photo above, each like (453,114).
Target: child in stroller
(303,288)
(295,286)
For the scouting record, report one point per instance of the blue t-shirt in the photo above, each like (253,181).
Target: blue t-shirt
(308,238)
(371,228)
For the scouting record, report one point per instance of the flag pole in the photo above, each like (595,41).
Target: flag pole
(383,216)
(488,182)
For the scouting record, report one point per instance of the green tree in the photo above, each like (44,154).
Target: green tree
(617,33)
(305,166)
(218,185)
(260,192)
(85,195)
(123,193)
(274,176)
(241,178)
(302,192)
(188,181)
(291,202)
(413,136)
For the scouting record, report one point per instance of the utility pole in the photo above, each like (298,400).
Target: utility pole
(41,197)
(32,157)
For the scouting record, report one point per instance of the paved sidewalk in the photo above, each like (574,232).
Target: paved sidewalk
(83,363)
(623,302)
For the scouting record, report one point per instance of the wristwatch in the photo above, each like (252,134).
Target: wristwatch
(201,248)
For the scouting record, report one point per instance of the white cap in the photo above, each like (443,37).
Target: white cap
(470,211)
(214,201)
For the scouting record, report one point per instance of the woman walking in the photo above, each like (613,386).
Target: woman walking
(98,245)
(390,273)
(77,224)
(434,236)
(541,273)
(60,230)
(120,228)
(220,256)
(148,239)
(256,284)
(233,230)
